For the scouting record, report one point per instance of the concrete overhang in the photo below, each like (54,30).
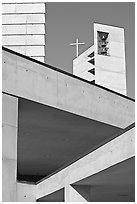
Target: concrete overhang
(115,184)
(50,138)
(27,78)
(115,158)
(61,117)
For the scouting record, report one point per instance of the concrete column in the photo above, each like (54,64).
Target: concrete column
(9,147)
(71,195)
(26,192)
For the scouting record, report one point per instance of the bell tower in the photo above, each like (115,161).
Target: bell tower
(110,68)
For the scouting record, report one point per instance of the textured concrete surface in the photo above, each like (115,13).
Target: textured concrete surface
(9,170)
(44,128)
(26,192)
(114,184)
(9,148)
(113,152)
(28,79)
(71,195)
(81,66)
(33,81)
(9,142)
(23,28)
(111,70)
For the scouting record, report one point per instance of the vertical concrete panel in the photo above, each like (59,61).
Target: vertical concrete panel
(9,167)
(9,149)
(71,195)
(111,69)
(26,192)
(9,110)
(9,142)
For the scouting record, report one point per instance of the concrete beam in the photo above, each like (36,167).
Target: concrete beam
(113,152)
(26,78)
(9,147)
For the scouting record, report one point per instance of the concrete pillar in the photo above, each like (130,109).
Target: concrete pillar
(9,147)
(26,192)
(71,195)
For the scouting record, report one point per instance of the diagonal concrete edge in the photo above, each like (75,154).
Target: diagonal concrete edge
(29,79)
(111,153)
(71,195)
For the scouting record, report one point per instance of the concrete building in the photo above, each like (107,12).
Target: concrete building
(104,62)
(64,138)
(24,28)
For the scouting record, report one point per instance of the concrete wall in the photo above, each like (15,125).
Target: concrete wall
(81,66)
(24,78)
(26,192)
(11,190)
(111,70)
(26,19)
(9,147)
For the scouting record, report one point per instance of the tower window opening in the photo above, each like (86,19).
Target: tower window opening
(103,48)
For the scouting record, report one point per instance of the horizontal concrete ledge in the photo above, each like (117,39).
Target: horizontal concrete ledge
(26,182)
(117,150)
(64,72)
(33,81)
(24,2)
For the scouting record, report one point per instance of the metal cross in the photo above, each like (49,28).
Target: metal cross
(77,43)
